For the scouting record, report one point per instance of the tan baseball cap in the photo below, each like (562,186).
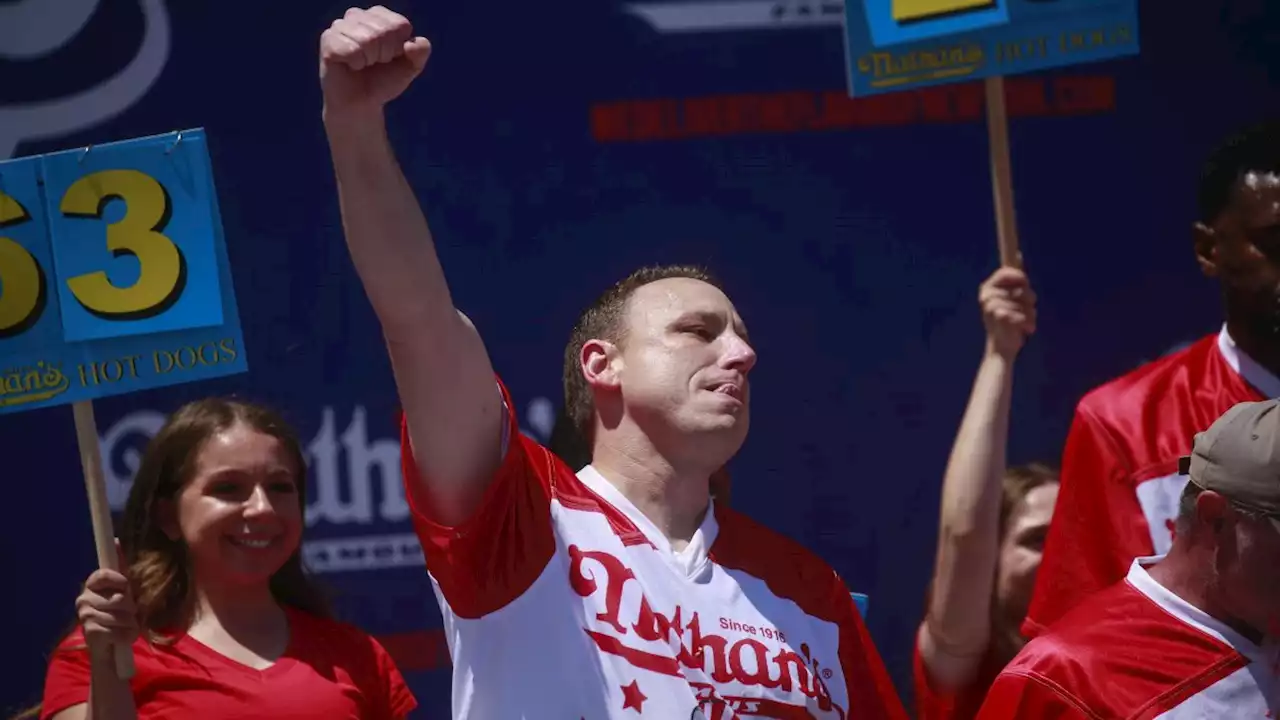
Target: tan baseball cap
(1239,456)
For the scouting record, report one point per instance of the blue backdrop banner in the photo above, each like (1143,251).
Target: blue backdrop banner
(554,152)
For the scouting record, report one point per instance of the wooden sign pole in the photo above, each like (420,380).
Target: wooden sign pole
(99,510)
(1002,173)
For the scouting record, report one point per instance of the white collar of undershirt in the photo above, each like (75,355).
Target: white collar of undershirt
(1262,379)
(1140,579)
(693,561)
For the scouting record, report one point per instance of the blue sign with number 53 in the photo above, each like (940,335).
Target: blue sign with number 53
(113,273)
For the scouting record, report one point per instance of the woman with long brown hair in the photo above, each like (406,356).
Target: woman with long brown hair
(222,620)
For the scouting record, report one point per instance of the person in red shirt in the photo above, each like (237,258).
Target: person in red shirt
(1187,635)
(1120,485)
(991,527)
(620,590)
(221,618)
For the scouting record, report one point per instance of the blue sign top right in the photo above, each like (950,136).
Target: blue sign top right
(893,45)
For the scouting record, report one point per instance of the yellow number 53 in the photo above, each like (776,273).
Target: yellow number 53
(912,10)
(162,267)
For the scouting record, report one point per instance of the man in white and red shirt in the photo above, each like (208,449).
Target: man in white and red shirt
(1119,482)
(1188,635)
(622,590)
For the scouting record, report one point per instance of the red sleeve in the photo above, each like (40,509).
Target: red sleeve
(935,703)
(66,682)
(872,695)
(496,554)
(397,701)
(1097,528)
(1029,697)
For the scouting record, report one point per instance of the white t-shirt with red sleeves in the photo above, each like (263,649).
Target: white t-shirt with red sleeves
(561,600)
(1138,651)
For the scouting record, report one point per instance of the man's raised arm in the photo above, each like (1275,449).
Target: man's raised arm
(442,371)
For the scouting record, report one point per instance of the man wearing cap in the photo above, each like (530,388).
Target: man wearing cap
(1192,634)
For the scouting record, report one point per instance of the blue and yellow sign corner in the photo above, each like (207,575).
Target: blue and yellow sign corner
(113,272)
(893,45)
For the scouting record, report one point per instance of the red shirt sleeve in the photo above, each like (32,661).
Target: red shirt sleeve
(1097,530)
(935,703)
(871,693)
(1028,697)
(495,555)
(397,700)
(66,682)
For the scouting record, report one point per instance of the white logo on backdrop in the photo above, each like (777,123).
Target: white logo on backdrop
(694,16)
(31,29)
(355,480)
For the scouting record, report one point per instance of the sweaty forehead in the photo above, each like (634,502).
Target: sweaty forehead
(1259,197)
(662,301)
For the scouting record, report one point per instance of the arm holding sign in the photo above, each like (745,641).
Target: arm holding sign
(442,370)
(958,628)
(108,619)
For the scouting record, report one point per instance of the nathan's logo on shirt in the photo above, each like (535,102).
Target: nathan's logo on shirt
(748,660)
(712,706)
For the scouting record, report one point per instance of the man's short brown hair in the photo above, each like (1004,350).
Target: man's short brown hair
(603,320)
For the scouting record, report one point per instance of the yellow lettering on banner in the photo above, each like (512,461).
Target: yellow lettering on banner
(32,384)
(21,282)
(910,10)
(1028,49)
(193,356)
(228,347)
(1096,38)
(109,371)
(888,69)
(162,268)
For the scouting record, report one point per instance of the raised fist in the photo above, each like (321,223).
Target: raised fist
(1008,310)
(368,58)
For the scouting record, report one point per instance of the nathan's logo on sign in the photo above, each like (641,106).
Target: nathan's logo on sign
(46,381)
(26,385)
(113,273)
(759,657)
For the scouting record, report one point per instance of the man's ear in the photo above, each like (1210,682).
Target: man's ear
(1212,509)
(600,361)
(1206,246)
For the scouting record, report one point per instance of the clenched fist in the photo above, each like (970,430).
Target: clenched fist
(1008,310)
(367,59)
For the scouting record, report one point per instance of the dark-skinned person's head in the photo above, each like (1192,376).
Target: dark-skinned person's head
(1237,237)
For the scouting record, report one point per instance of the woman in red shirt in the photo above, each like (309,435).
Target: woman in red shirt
(222,620)
(992,527)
